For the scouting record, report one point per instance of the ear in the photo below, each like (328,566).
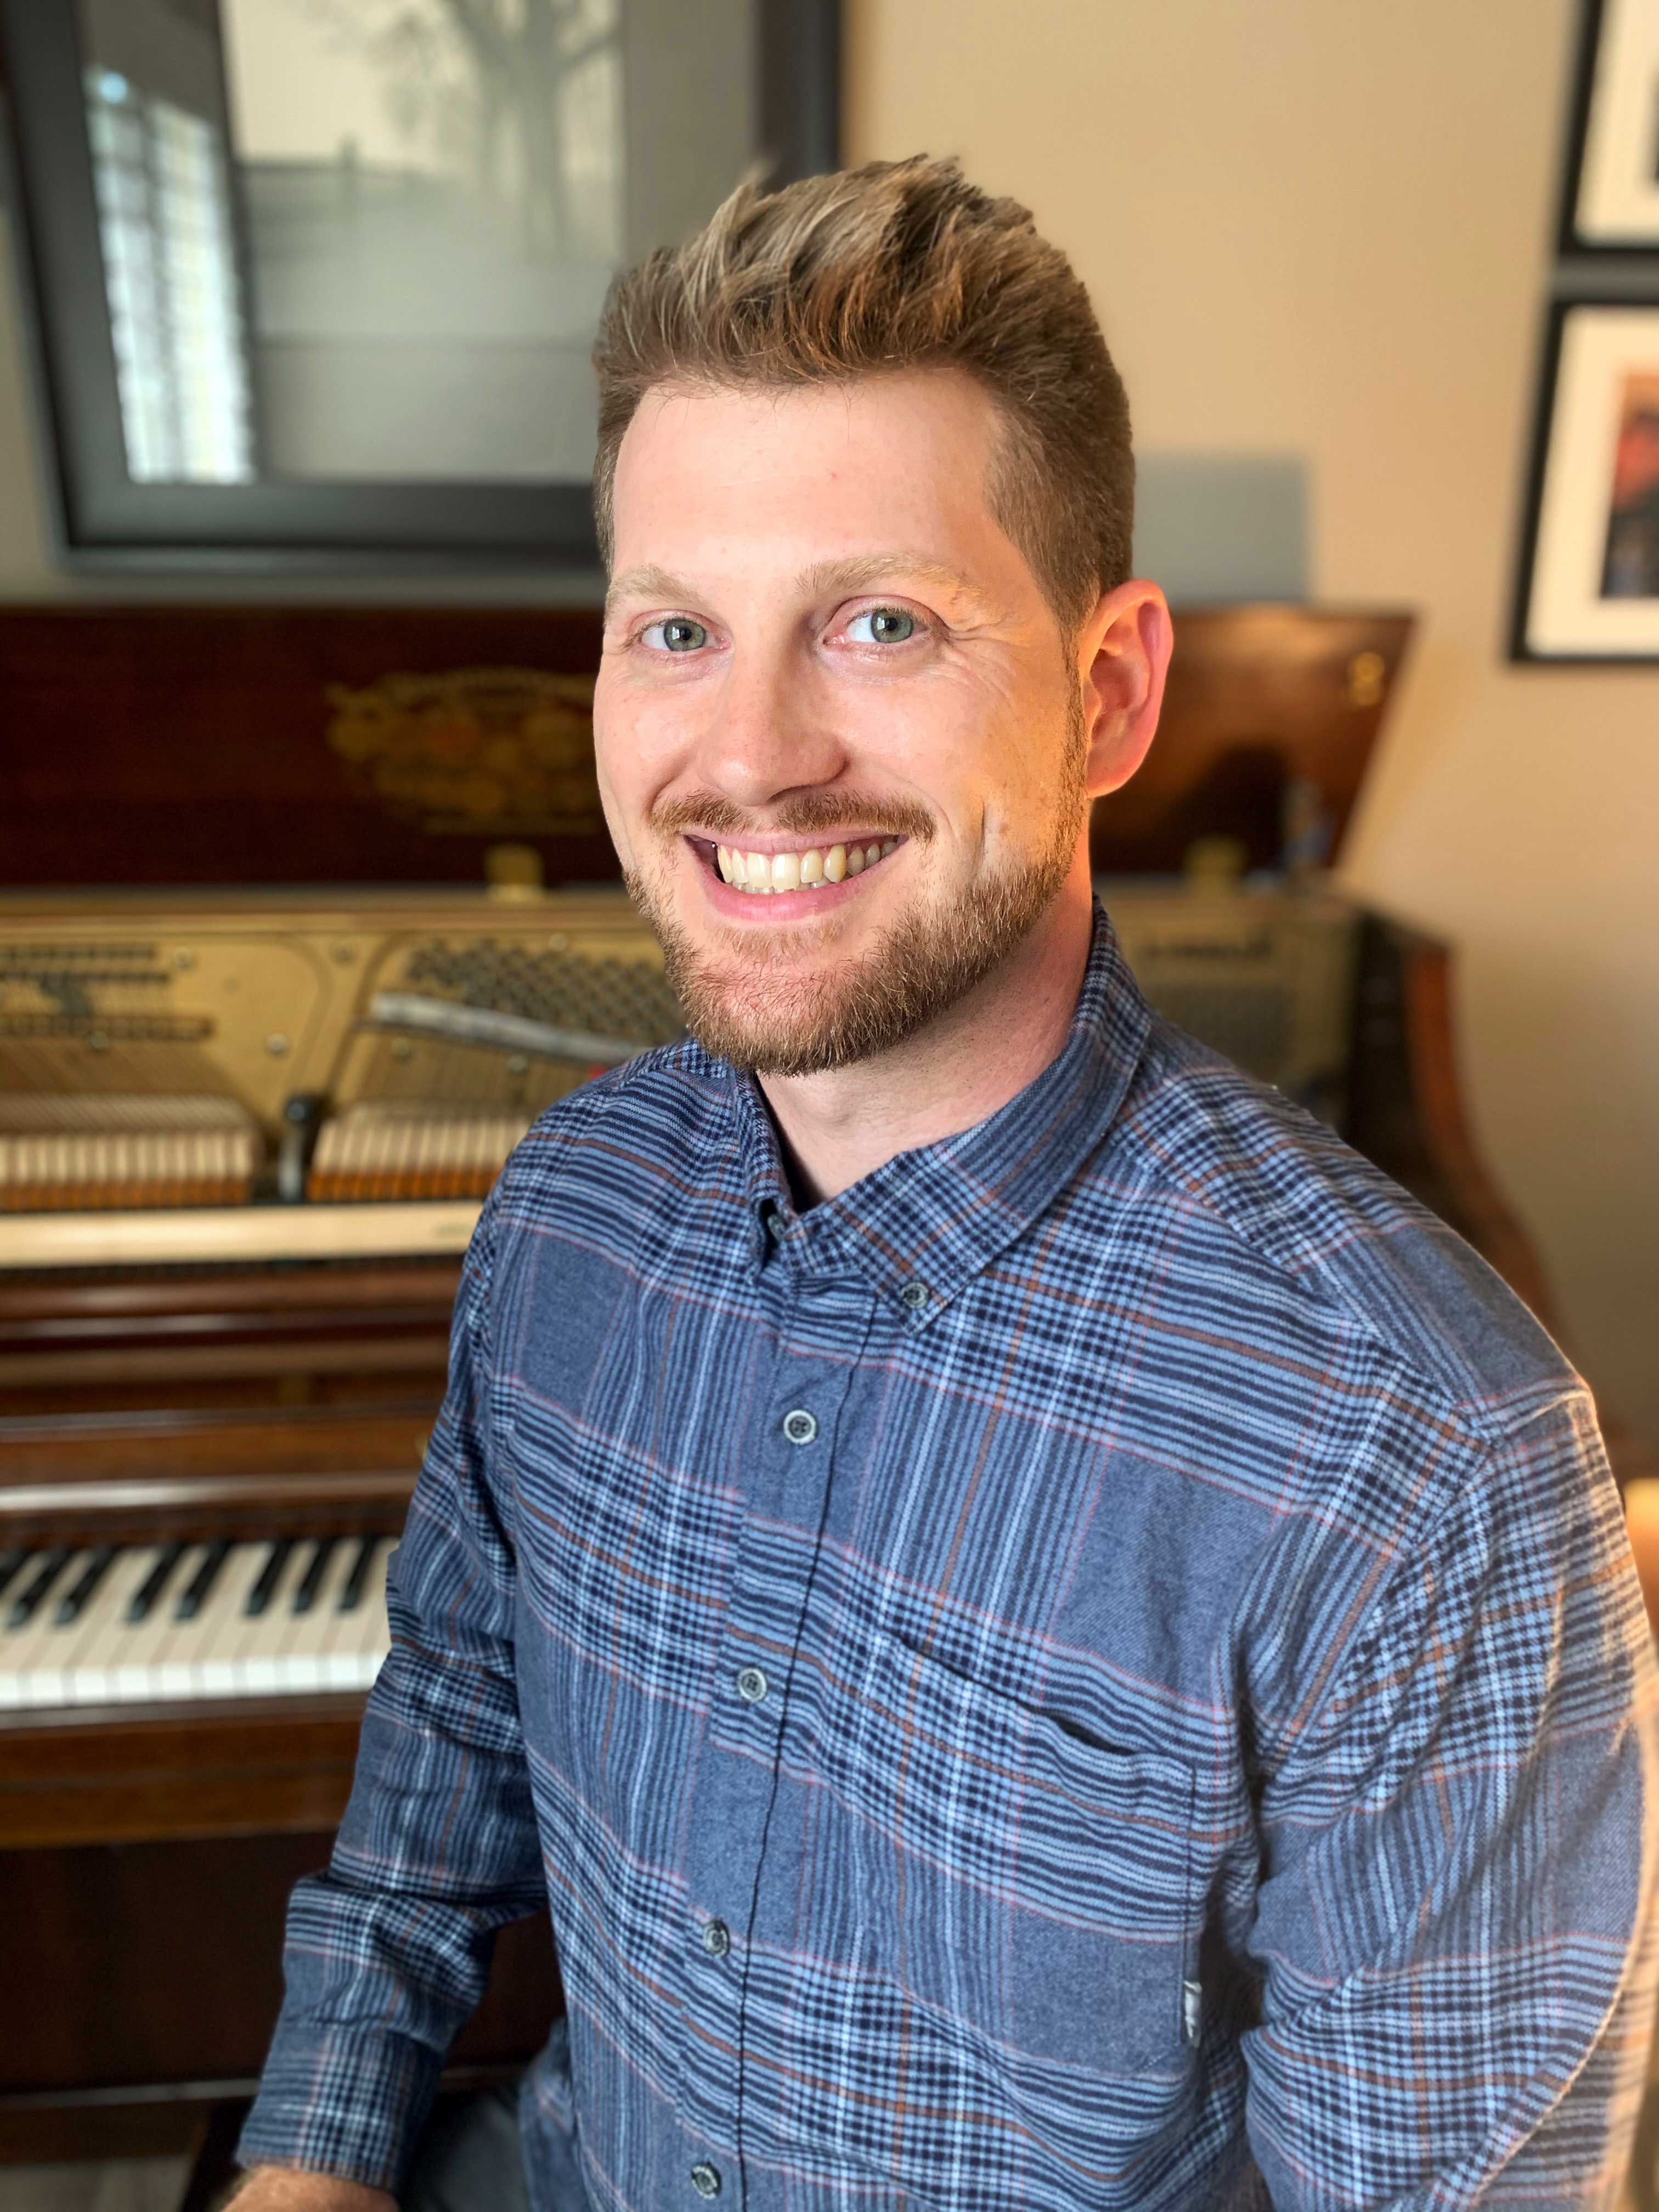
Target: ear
(1123,657)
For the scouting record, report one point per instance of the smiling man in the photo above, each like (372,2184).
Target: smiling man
(1049,1638)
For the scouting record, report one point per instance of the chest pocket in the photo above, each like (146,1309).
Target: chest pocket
(1036,1884)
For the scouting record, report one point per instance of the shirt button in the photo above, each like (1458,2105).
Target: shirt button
(915,1295)
(717,1939)
(800,1426)
(752,1685)
(706,2178)
(775,1227)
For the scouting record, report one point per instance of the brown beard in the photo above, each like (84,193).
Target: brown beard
(754,1012)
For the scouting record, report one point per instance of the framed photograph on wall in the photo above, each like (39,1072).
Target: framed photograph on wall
(316,283)
(1589,586)
(1610,203)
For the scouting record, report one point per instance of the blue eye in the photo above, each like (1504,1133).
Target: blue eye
(882,626)
(677,634)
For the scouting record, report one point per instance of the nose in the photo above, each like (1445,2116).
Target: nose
(766,735)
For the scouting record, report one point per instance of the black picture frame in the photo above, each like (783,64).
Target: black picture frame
(1567,623)
(102,520)
(1567,237)
(1573,241)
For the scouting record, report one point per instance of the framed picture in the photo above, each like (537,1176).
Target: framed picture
(1589,586)
(1610,203)
(315,281)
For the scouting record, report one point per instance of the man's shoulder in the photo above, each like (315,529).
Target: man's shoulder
(1294,1206)
(650,1120)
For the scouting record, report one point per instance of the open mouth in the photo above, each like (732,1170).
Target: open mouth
(807,868)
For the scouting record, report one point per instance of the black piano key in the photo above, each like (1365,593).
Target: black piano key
(264,1582)
(143,1601)
(311,1581)
(10,1564)
(27,1603)
(351,1593)
(73,1603)
(197,1591)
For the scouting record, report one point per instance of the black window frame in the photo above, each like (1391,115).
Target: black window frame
(101,519)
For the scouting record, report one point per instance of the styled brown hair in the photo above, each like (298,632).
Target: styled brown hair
(895,266)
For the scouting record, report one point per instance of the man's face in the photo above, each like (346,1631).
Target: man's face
(840,737)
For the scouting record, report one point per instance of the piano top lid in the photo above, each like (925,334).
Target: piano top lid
(174,744)
(1257,696)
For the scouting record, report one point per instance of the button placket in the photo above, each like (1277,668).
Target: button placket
(817,1329)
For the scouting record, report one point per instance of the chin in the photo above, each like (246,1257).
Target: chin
(780,1007)
(774,1025)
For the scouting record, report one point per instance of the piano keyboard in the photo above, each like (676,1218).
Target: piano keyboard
(161,1623)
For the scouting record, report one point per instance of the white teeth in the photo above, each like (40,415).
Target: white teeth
(813,870)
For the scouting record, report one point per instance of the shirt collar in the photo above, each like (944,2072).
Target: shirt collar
(924,1223)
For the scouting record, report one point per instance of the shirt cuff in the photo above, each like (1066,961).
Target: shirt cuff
(342,2102)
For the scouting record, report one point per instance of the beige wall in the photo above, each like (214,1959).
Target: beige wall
(1317,225)
(1314,226)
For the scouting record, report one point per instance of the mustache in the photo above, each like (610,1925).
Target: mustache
(803,816)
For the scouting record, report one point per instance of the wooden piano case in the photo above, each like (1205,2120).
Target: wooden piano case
(146,1855)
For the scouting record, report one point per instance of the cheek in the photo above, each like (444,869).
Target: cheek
(636,737)
(932,734)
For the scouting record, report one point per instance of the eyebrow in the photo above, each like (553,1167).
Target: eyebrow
(648,582)
(856,573)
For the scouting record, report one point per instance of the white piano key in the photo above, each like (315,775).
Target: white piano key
(302,1656)
(260,1660)
(222,1621)
(87,1674)
(357,1641)
(24,1649)
(133,1677)
(171,1662)
(247,1636)
(342,1623)
(54,1664)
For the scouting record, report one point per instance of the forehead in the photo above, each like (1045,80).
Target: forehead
(809,473)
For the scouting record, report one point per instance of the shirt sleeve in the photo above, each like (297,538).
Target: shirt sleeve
(388,1952)
(1453,1928)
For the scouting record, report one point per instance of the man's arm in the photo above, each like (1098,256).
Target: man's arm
(1455,1925)
(271,2189)
(388,1951)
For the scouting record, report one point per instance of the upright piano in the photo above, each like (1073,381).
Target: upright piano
(305,914)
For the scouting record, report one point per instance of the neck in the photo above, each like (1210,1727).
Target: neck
(838,1127)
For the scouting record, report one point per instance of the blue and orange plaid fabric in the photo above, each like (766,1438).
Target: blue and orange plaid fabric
(1099,1668)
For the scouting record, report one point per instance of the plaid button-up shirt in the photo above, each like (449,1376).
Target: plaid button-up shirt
(1098,1667)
